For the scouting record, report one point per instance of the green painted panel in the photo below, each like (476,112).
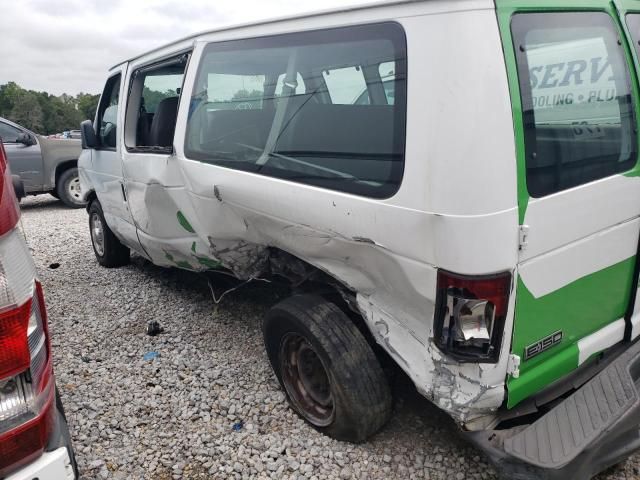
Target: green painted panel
(504,17)
(578,309)
(628,5)
(184,222)
(565,5)
(208,262)
(562,362)
(184,264)
(593,301)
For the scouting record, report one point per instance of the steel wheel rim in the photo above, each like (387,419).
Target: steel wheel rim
(74,189)
(97,233)
(306,380)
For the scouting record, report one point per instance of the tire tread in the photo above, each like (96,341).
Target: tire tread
(362,382)
(61,191)
(115,253)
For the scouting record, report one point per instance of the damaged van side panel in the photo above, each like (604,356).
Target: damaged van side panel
(386,252)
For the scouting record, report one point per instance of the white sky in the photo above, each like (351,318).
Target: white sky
(67,46)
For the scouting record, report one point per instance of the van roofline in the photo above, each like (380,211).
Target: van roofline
(269,21)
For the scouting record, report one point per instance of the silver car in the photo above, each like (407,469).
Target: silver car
(45,165)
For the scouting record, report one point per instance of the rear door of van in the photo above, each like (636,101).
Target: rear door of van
(574,94)
(629,11)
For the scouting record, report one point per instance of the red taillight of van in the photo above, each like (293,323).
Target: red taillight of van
(9,208)
(470,315)
(27,391)
(14,345)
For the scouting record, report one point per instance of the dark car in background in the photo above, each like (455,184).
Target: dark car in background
(34,436)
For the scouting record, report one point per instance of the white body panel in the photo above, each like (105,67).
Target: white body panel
(559,267)
(387,251)
(600,340)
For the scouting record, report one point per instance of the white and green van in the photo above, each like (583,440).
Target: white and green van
(452,185)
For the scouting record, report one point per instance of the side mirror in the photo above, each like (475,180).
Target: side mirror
(26,139)
(18,187)
(89,139)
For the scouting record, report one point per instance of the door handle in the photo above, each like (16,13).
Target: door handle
(124,193)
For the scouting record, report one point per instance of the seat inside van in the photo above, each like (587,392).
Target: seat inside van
(155,94)
(163,123)
(362,132)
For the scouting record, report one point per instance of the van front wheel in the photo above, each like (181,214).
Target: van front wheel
(329,372)
(109,251)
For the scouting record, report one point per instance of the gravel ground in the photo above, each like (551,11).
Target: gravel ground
(173,416)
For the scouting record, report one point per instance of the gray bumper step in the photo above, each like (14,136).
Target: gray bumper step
(559,436)
(597,426)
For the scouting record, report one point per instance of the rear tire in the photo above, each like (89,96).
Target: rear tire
(329,372)
(109,251)
(68,188)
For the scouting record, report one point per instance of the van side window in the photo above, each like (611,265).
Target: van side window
(576,99)
(287,106)
(235,92)
(152,108)
(108,113)
(633,22)
(387,77)
(382,84)
(345,84)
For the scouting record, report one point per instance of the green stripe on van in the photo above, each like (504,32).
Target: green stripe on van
(578,309)
(182,220)
(534,380)
(504,17)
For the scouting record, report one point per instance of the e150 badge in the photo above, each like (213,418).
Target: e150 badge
(543,344)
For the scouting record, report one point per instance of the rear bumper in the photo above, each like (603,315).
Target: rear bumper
(54,465)
(58,460)
(597,426)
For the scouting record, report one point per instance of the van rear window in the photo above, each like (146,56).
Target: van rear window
(576,97)
(309,107)
(633,22)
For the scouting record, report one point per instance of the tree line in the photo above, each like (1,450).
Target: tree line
(44,113)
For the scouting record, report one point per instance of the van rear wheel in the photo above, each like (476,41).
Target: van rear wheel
(109,251)
(329,372)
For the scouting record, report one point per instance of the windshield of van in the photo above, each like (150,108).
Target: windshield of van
(311,107)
